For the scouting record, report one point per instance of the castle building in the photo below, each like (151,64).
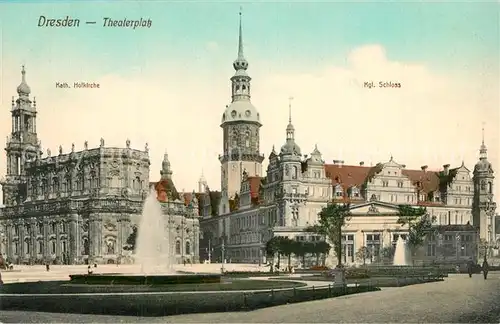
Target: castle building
(78,206)
(286,201)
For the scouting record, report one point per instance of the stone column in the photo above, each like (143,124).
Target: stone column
(34,241)
(8,241)
(58,240)
(92,237)
(46,241)
(74,236)
(196,241)
(119,236)
(22,231)
(95,235)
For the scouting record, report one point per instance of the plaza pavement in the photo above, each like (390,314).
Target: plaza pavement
(61,272)
(457,299)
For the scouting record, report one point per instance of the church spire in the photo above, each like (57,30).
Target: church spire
(23,90)
(240,64)
(290,130)
(240,80)
(483,150)
(166,171)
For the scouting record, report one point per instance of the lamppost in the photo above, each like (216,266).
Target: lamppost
(210,249)
(223,249)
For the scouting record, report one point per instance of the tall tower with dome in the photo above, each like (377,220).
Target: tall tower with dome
(241,125)
(22,144)
(484,206)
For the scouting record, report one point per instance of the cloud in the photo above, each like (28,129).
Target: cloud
(212,46)
(432,119)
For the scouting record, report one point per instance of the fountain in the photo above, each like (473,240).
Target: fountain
(153,254)
(401,253)
(152,247)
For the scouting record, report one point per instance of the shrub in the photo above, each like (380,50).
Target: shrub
(319,268)
(356,273)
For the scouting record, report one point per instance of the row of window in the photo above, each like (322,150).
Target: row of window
(44,187)
(63,228)
(40,246)
(245,238)
(448,218)
(447,249)
(310,238)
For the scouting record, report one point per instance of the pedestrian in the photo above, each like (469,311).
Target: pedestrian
(89,270)
(470,268)
(47,266)
(486,268)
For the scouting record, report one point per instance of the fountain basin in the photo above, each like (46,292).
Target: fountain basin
(143,279)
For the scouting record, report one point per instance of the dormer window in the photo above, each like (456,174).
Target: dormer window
(354,192)
(338,191)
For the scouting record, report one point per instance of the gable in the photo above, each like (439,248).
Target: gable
(375,208)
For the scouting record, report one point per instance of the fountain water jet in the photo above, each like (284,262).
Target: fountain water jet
(152,250)
(401,253)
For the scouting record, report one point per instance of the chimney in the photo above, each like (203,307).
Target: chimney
(424,167)
(446,169)
(361,163)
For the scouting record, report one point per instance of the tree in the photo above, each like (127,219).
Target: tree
(322,249)
(300,250)
(363,253)
(387,253)
(419,224)
(331,220)
(131,240)
(273,248)
(287,247)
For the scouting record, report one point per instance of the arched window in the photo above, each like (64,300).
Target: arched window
(40,247)
(69,183)
(188,248)
(247,139)
(294,172)
(27,246)
(178,247)
(234,140)
(137,183)
(86,246)
(44,186)
(53,250)
(490,187)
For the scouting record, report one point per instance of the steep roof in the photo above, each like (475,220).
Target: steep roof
(166,190)
(254,186)
(200,196)
(429,181)
(357,175)
(347,175)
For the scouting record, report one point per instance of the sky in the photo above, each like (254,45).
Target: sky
(168,85)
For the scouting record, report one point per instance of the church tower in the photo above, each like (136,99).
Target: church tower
(22,144)
(240,125)
(483,208)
